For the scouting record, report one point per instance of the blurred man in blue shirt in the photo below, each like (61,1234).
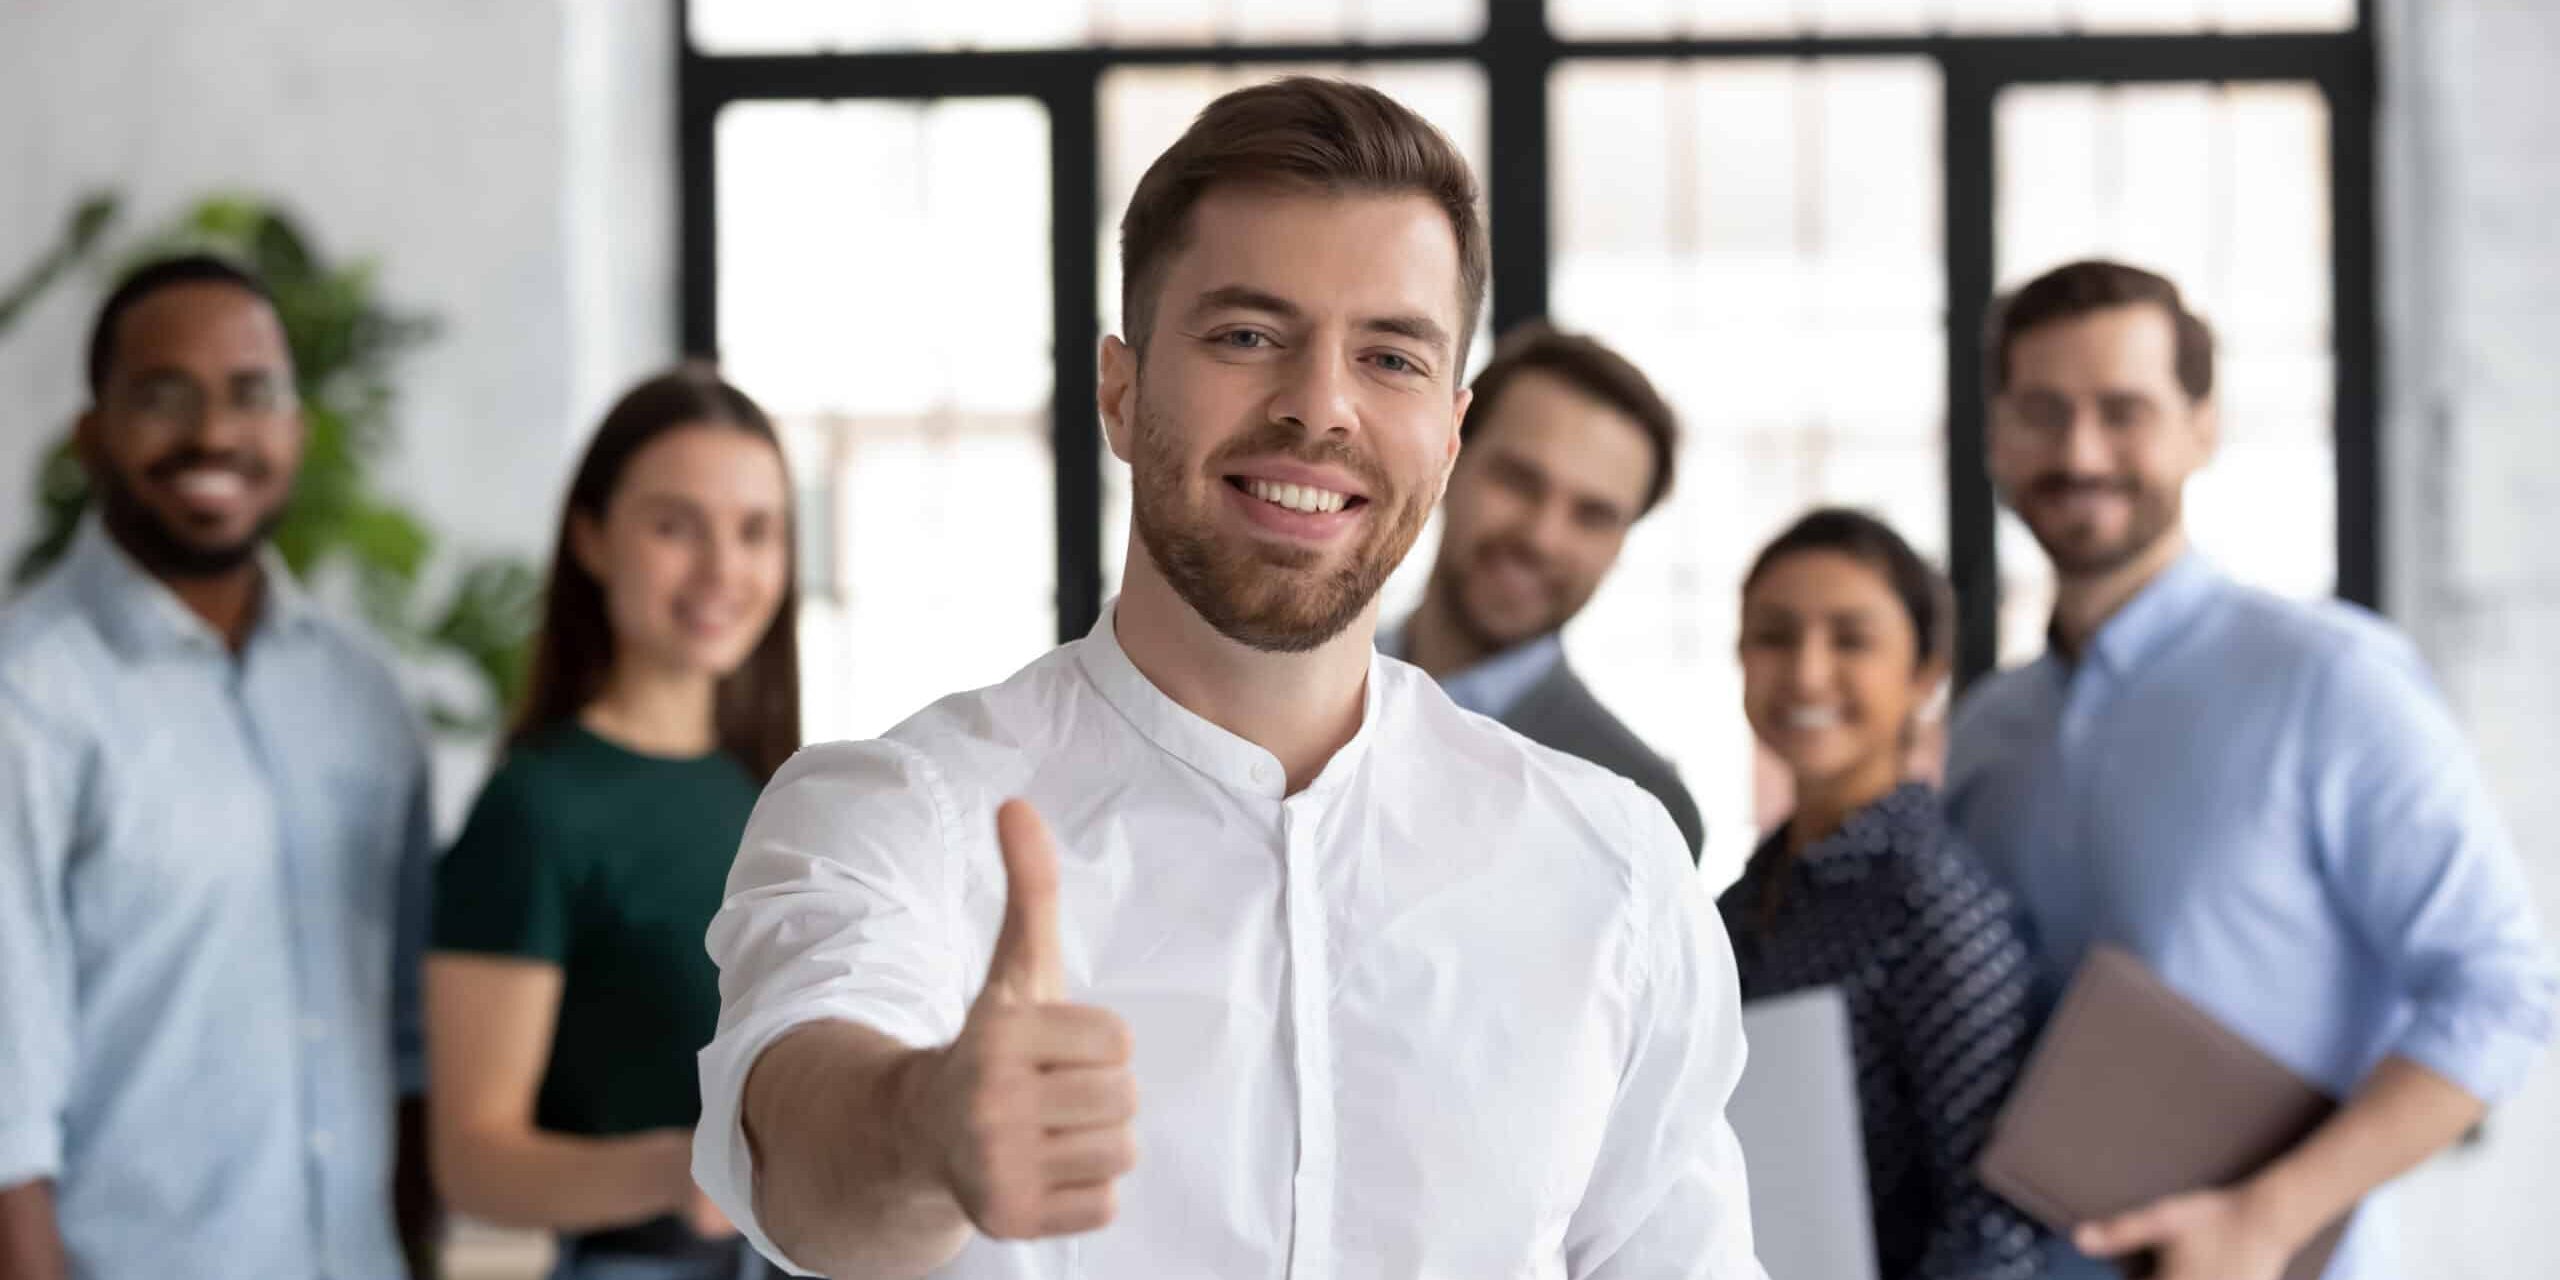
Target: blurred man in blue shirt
(2267,801)
(213,845)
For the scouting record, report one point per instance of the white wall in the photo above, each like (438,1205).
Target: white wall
(2471,202)
(509,162)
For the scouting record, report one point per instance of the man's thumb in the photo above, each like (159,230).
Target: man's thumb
(1029,965)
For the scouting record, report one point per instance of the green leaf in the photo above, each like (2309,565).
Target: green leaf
(80,236)
(490,622)
(62,494)
(89,222)
(386,539)
(279,248)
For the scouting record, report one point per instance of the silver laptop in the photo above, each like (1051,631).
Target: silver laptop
(1796,1113)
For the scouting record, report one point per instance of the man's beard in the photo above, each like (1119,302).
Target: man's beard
(1453,576)
(1265,595)
(2078,554)
(160,550)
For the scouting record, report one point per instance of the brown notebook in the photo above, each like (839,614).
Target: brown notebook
(2134,1094)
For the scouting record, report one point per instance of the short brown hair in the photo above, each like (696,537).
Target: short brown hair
(1590,367)
(1299,130)
(2075,289)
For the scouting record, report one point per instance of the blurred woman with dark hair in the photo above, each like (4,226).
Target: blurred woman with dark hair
(568,989)
(1845,636)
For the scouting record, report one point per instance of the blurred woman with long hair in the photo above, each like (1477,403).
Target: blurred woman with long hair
(567,988)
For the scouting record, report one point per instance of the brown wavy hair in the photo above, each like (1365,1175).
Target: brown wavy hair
(756,711)
(2076,289)
(1590,366)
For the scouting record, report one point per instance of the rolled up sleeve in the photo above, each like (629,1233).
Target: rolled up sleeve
(2420,860)
(1667,1196)
(842,905)
(37,802)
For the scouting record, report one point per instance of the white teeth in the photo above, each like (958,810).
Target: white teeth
(1297,497)
(211,483)
(1813,718)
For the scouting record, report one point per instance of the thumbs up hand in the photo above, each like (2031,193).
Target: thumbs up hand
(1031,1107)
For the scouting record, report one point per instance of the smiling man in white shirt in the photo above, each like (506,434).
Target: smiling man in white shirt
(1319,975)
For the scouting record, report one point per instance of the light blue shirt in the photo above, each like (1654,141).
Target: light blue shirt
(1493,686)
(213,875)
(2269,803)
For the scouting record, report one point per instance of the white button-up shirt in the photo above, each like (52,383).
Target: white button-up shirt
(1459,1008)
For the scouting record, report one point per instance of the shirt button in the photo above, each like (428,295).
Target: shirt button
(1266,773)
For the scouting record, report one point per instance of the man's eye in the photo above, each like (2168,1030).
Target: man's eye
(164,399)
(1243,339)
(1393,363)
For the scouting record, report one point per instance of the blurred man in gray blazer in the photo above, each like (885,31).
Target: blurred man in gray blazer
(1567,445)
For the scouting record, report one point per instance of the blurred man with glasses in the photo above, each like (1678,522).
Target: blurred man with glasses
(213,844)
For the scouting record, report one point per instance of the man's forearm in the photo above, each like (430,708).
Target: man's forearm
(30,1240)
(2403,1114)
(839,1187)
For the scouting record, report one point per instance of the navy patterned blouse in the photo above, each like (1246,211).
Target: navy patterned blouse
(1927,949)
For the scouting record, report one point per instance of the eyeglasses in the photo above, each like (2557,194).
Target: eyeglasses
(173,401)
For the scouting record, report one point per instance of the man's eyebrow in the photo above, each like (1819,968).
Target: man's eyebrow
(1237,297)
(1419,328)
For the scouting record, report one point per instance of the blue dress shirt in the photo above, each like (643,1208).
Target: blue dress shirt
(213,875)
(1493,686)
(2268,803)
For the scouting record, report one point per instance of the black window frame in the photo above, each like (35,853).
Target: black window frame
(1518,54)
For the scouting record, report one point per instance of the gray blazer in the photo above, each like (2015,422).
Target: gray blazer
(1560,712)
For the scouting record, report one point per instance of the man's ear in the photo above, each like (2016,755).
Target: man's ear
(1116,394)
(301,445)
(1457,432)
(88,444)
(2208,428)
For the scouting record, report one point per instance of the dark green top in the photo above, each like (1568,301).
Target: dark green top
(609,864)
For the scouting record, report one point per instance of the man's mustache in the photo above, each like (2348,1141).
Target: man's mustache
(2069,486)
(196,459)
(1297,444)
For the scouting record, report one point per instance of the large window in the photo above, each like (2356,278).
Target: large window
(889,304)
(1750,231)
(2226,189)
(900,229)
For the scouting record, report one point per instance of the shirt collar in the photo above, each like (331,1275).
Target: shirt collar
(140,615)
(1491,686)
(2162,610)
(1185,735)
(1900,822)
